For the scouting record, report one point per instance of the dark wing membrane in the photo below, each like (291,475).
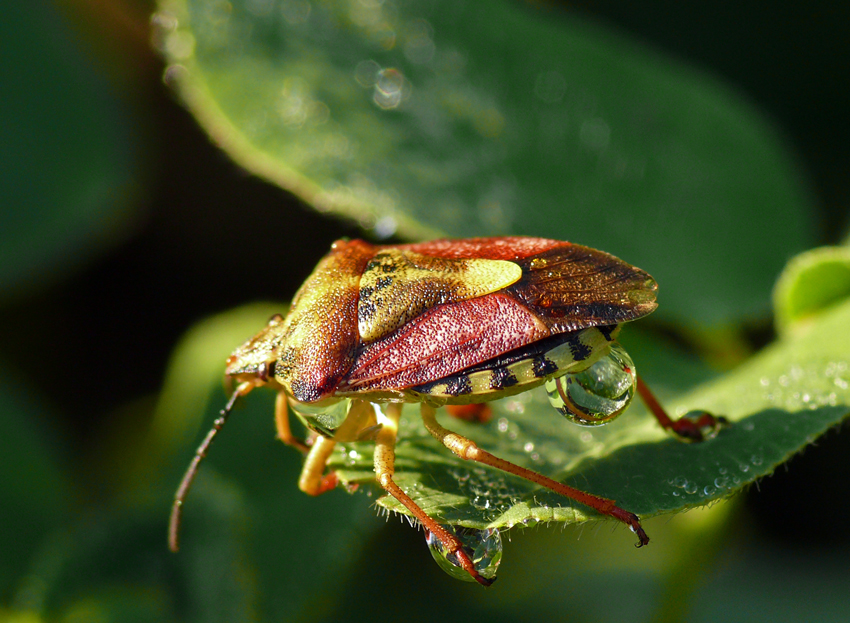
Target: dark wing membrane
(572,287)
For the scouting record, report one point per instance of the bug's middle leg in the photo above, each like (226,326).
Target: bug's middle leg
(467,449)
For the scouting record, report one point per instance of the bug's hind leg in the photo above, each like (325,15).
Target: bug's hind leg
(467,449)
(695,426)
(384,470)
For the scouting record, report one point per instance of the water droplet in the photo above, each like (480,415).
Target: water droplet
(722,470)
(391,88)
(598,394)
(367,73)
(691,488)
(385,227)
(744,468)
(709,491)
(681,482)
(756,460)
(708,426)
(484,548)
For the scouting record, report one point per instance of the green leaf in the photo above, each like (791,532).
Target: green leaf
(779,401)
(812,281)
(35,491)
(469,119)
(67,149)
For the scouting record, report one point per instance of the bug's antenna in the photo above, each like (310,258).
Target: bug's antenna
(183,490)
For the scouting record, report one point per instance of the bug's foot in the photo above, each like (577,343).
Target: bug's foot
(633,522)
(698,426)
(484,581)
(463,559)
(328,482)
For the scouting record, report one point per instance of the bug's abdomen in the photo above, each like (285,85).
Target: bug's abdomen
(523,368)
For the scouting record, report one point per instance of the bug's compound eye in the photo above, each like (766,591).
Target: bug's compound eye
(265,370)
(484,548)
(600,393)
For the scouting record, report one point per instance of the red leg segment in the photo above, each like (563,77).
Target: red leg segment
(384,470)
(466,449)
(696,426)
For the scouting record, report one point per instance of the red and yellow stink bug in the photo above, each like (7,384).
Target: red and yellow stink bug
(447,322)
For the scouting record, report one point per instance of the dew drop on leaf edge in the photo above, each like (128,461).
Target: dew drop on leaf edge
(484,548)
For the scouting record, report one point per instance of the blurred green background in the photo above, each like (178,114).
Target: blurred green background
(134,254)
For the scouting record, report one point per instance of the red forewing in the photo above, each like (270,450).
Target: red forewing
(444,340)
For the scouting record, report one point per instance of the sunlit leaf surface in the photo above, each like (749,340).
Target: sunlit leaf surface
(812,281)
(470,118)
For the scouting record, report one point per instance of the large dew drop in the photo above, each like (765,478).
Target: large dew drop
(600,393)
(484,548)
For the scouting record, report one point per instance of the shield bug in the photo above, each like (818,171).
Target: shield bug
(445,323)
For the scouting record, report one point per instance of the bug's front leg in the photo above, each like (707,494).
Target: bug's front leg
(467,449)
(313,479)
(281,422)
(384,470)
(694,426)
